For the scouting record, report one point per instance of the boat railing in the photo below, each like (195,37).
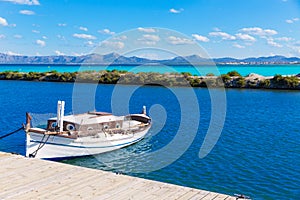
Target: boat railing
(95,132)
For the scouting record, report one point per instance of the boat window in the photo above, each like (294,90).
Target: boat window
(70,127)
(117,125)
(105,126)
(53,124)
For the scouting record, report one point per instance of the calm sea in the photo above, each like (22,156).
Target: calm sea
(258,153)
(265,70)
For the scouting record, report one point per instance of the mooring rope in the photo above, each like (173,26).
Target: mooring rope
(41,145)
(8,134)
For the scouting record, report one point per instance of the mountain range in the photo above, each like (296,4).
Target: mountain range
(116,59)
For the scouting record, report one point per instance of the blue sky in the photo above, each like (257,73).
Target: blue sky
(235,28)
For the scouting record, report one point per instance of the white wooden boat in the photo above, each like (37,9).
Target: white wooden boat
(84,134)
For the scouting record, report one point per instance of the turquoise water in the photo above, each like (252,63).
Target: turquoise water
(258,153)
(265,70)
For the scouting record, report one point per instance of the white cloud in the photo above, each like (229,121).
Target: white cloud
(89,43)
(83,28)
(297,43)
(44,37)
(259,31)
(18,36)
(61,37)
(24,2)
(3,21)
(290,21)
(106,31)
(121,38)
(35,31)
(200,38)
(223,35)
(295,48)
(61,24)
(84,36)
(178,41)
(59,53)
(146,30)
(10,53)
(27,12)
(152,56)
(2,36)
(245,37)
(41,43)
(114,45)
(217,29)
(173,10)
(271,42)
(149,39)
(284,39)
(77,54)
(238,46)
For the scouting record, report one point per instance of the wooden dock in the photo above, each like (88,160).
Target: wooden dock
(24,178)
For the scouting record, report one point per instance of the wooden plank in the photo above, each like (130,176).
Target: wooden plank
(23,178)
(176,194)
(158,194)
(110,186)
(221,197)
(20,180)
(188,195)
(210,195)
(200,195)
(28,181)
(118,187)
(72,181)
(147,192)
(51,183)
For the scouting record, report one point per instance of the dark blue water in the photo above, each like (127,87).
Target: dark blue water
(265,70)
(258,153)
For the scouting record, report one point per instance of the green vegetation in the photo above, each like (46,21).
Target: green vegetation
(233,73)
(210,74)
(278,81)
(230,80)
(265,83)
(240,82)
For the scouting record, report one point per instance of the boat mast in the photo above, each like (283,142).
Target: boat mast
(144,110)
(60,115)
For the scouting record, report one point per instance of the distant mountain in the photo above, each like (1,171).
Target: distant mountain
(116,59)
(274,59)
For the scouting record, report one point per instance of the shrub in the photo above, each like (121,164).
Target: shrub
(241,82)
(233,73)
(186,74)
(225,78)
(265,83)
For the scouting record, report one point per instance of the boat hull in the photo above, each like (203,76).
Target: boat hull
(55,147)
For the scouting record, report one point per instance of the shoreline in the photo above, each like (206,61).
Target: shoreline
(230,80)
(151,64)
